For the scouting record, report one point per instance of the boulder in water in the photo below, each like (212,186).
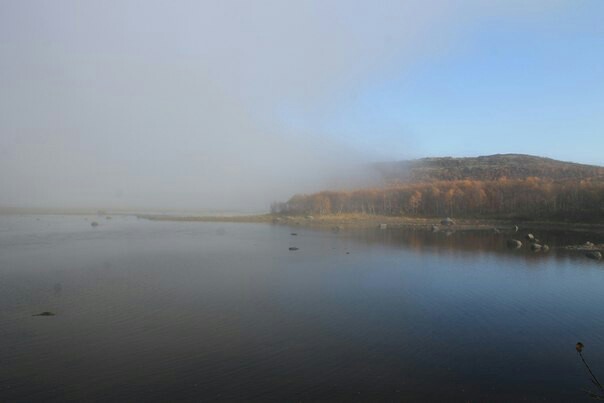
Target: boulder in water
(514,244)
(447,221)
(595,255)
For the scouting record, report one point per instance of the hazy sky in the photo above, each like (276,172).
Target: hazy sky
(224,104)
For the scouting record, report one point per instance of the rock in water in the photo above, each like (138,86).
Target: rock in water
(514,244)
(293,248)
(447,221)
(46,313)
(535,247)
(94,224)
(530,237)
(594,255)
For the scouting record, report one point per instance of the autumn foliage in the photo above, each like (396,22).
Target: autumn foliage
(528,198)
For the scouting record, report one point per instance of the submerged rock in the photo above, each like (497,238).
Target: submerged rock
(94,224)
(530,237)
(45,313)
(293,234)
(514,244)
(594,255)
(513,228)
(293,248)
(535,247)
(545,248)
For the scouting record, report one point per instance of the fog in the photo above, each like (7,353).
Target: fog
(188,104)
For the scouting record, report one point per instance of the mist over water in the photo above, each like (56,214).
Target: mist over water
(199,105)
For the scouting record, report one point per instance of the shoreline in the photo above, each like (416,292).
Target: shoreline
(366,221)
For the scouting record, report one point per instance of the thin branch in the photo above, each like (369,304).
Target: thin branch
(594,379)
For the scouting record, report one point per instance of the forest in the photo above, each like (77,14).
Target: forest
(530,198)
(503,186)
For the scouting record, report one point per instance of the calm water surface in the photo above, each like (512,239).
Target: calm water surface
(159,311)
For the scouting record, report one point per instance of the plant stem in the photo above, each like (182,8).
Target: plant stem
(591,373)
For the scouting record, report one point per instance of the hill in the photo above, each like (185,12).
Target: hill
(485,168)
(509,186)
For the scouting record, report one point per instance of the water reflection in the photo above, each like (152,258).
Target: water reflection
(480,241)
(159,311)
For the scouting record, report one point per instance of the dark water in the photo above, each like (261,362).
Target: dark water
(152,311)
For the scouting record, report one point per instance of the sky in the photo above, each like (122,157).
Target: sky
(231,105)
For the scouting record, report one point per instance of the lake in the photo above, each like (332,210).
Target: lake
(160,311)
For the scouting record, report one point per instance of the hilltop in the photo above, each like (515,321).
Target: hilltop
(485,168)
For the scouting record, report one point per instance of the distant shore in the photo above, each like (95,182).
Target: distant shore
(360,221)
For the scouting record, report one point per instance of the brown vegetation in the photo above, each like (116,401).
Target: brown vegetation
(525,199)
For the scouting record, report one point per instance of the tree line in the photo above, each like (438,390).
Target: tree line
(529,198)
